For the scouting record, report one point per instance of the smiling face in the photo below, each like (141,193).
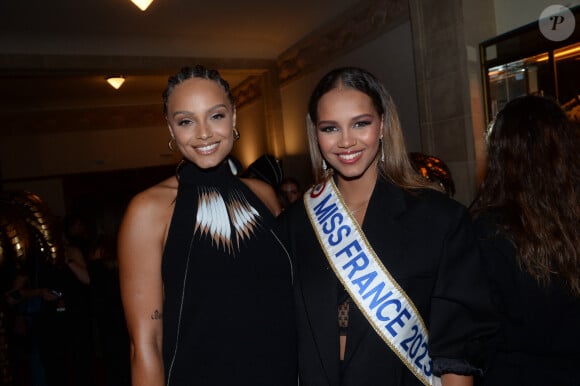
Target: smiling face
(348,131)
(201,119)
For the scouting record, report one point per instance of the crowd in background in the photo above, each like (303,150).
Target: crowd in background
(67,325)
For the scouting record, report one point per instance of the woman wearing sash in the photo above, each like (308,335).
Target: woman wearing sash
(527,217)
(206,284)
(388,279)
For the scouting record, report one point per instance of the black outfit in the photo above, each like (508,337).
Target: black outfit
(228,312)
(425,241)
(540,327)
(111,328)
(63,329)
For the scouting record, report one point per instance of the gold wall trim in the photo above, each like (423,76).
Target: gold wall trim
(39,64)
(248,91)
(365,21)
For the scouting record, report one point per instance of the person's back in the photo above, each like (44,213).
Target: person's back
(540,336)
(526,217)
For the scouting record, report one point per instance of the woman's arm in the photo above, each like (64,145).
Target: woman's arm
(463,322)
(141,239)
(266,193)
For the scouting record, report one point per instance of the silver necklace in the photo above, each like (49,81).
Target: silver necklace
(353,211)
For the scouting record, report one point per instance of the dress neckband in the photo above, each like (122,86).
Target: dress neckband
(189,173)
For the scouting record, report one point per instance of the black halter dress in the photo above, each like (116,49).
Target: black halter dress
(228,308)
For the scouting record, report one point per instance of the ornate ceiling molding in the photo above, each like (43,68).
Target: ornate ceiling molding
(362,23)
(38,64)
(247,91)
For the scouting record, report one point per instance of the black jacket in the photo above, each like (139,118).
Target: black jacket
(425,240)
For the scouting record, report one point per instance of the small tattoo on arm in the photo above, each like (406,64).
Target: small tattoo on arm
(156,315)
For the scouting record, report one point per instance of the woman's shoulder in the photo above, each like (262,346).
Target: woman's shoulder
(433,200)
(154,200)
(490,233)
(148,215)
(486,222)
(265,192)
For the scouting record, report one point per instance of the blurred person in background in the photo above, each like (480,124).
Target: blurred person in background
(527,217)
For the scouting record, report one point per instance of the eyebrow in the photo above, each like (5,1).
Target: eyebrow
(189,113)
(356,118)
(365,115)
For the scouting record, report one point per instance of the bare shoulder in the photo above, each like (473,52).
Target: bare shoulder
(153,207)
(265,192)
(157,197)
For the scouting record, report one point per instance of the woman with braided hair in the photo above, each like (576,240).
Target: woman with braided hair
(206,284)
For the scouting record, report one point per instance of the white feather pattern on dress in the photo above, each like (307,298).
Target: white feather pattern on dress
(217,218)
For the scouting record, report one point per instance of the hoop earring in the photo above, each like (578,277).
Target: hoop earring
(236,134)
(170,144)
(178,168)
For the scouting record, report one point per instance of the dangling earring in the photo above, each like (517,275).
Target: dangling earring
(382,150)
(324,167)
(236,134)
(170,144)
(178,168)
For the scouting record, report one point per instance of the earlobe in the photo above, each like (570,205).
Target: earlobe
(170,129)
(172,142)
(382,125)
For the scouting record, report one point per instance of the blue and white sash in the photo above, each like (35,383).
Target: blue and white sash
(379,297)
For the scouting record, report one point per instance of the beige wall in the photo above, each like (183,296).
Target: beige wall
(84,152)
(511,14)
(50,156)
(251,125)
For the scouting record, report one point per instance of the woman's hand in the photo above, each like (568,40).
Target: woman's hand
(456,380)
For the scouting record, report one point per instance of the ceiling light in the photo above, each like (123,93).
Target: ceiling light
(142,4)
(116,81)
